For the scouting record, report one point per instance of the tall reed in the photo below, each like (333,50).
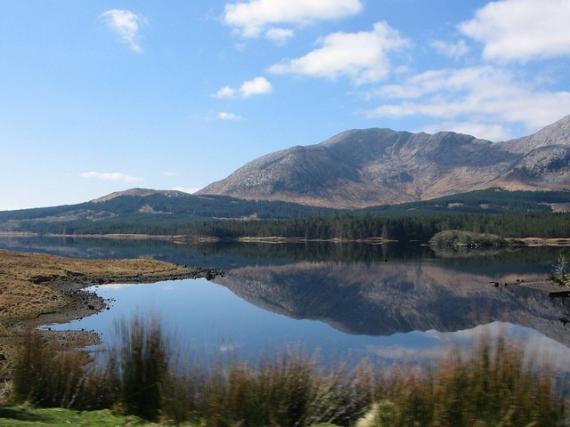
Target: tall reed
(495,385)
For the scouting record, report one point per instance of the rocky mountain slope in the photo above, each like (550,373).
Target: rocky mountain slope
(360,168)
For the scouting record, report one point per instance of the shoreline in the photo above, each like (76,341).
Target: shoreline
(537,242)
(529,242)
(39,289)
(285,240)
(114,236)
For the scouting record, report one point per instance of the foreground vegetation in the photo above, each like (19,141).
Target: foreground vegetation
(145,376)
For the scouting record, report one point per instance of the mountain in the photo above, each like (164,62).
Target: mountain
(142,209)
(362,168)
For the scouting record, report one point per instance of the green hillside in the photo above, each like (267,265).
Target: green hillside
(141,211)
(492,200)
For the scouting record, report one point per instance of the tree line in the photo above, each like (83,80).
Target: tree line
(419,226)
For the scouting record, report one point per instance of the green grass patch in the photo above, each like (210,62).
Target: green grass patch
(23,416)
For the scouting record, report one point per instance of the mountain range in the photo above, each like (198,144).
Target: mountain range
(147,211)
(371,171)
(362,168)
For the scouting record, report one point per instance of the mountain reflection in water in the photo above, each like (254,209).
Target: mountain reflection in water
(387,303)
(385,298)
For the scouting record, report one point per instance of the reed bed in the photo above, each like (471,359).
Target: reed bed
(494,385)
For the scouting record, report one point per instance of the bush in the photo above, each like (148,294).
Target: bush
(139,367)
(461,240)
(46,377)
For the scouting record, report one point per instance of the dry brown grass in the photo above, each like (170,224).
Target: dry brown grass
(32,285)
(21,298)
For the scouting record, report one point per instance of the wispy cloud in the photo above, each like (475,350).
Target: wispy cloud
(279,35)
(126,25)
(226,92)
(224,115)
(251,18)
(491,132)
(256,86)
(476,95)
(362,56)
(454,50)
(112,177)
(521,30)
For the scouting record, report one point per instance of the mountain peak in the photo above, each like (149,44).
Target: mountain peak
(366,167)
(140,192)
(557,133)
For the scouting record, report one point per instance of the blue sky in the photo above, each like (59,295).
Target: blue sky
(103,96)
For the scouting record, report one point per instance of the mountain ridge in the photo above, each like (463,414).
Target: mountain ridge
(146,211)
(359,168)
(140,192)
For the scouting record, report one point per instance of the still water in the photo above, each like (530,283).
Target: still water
(383,303)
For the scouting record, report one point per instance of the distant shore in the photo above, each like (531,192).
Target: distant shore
(281,240)
(541,241)
(517,241)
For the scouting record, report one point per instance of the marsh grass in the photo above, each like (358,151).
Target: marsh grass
(495,385)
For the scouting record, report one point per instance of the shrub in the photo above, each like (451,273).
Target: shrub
(139,366)
(492,387)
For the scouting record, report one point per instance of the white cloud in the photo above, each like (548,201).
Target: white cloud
(480,94)
(279,35)
(454,50)
(362,56)
(126,24)
(489,131)
(189,190)
(224,115)
(521,29)
(251,18)
(111,177)
(256,86)
(225,92)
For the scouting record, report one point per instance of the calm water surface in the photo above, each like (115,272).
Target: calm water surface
(345,302)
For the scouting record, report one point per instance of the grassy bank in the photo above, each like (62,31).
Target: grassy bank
(145,376)
(39,288)
(32,284)
(27,416)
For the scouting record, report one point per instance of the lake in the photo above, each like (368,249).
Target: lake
(390,303)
